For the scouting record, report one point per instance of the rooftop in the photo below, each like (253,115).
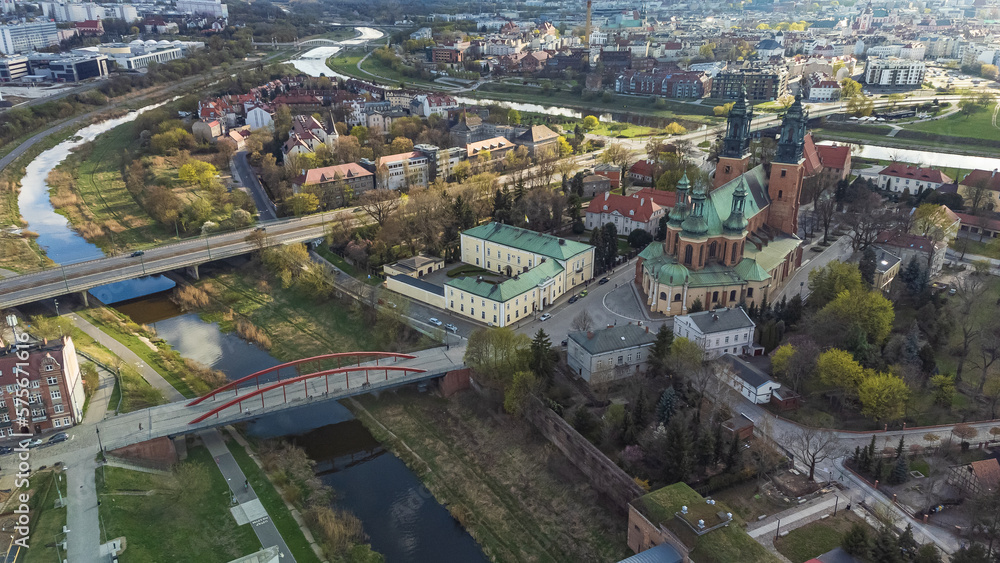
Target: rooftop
(720,320)
(753,376)
(331,173)
(613,338)
(900,170)
(511,288)
(529,241)
(636,207)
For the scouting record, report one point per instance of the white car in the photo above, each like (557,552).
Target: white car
(451,327)
(434,321)
(545,317)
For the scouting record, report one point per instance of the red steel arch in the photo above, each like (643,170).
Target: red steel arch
(358,355)
(303,379)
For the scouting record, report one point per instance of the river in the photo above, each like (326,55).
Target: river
(56,237)
(402,519)
(926,158)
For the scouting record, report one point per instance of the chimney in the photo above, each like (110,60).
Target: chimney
(590,334)
(479,279)
(715,317)
(608,194)
(647,329)
(45,342)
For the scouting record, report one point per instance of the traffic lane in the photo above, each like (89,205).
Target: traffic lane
(265,207)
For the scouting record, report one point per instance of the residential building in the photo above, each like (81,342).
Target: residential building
(603,355)
(414,266)
(626,213)
(977,479)
(259,117)
(348,180)
(139,54)
(211,8)
(735,241)
(820,88)
(612,172)
(893,71)
(422,33)
(943,225)
(496,148)
(727,330)
(55,388)
(594,184)
(887,267)
(72,11)
(835,160)
(747,380)
(403,171)
(983,227)
(540,268)
(903,178)
(426,105)
(664,83)
(981,189)
(538,138)
(760,82)
(928,253)
(90,27)
(14,67)
(26,37)
(642,172)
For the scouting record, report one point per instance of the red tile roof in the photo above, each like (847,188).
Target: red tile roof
(660,197)
(833,156)
(988,472)
(812,162)
(635,207)
(901,170)
(329,173)
(905,240)
(977,221)
(992,179)
(642,168)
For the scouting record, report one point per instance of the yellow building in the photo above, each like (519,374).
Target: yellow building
(541,268)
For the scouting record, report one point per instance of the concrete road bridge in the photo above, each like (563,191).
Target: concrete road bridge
(286,386)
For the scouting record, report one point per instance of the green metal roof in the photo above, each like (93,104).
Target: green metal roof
(714,275)
(652,250)
(773,252)
(673,274)
(511,288)
(750,270)
(720,201)
(529,241)
(614,338)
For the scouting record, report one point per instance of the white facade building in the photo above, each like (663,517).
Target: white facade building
(258,118)
(25,37)
(211,8)
(894,71)
(610,353)
(408,169)
(718,332)
(747,380)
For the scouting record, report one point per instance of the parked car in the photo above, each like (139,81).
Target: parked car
(574,299)
(565,343)
(60,437)
(138,253)
(545,317)
(6,450)
(434,321)
(451,327)
(952,291)
(34,443)
(603,281)
(583,294)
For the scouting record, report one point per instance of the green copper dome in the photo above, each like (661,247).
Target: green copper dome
(673,274)
(680,210)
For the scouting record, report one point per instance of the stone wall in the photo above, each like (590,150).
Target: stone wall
(158,452)
(455,381)
(604,474)
(643,535)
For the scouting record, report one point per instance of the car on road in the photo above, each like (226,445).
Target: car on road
(952,291)
(6,450)
(434,321)
(138,253)
(603,281)
(60,437)
(565,343)
(574,299)
(34,443)
(545,317)
(451,327)
(260,229)
(583,294)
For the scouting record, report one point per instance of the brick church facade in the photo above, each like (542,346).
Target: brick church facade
(735,241)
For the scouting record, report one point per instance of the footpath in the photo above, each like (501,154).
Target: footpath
(248,507)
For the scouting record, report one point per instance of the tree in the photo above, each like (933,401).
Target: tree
(379,204)
(541,360)
(495,354)
(781,359)
(813,446)
(639,238)
(867,266)
(514,117)
(928,553)
(944,389)
(302,204)
(826,283)
(972,553)
(360,132)
(838,367)
(696,306)
(659,354)
(849,88)
(969,104)
(400,145)
(522,385)
(583,321)
(666,406)
(885,549)
(883,396)
(858,541)
(674,128)
(590,123)
(617,154)
(723,110)
(680,461)
(864,312)
(198,172)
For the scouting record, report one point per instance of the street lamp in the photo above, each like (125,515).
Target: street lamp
(56,301)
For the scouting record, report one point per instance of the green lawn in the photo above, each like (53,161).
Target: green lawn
(883,140)
(987,247)
(629,131)
(976,126)
(46,521)
(187,513)
(275,506)
(338,261)
(816,538)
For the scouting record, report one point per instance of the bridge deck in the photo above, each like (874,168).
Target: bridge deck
(174,419)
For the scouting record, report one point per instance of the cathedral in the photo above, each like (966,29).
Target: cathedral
(736,242)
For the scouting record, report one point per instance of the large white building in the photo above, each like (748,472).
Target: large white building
(626,213)
(899,178)
(26,37)
(719,332)
(139,54)
(894,71)
(203,7)
(408,169)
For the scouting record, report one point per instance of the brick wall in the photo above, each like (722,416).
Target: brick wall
(455,381)
(603,474)
(158,452)
(643,535)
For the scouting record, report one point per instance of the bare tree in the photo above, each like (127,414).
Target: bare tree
(583,321)
(867,218)
(970,293)
(379,204)
(989,350)
(813,446)
(826,209)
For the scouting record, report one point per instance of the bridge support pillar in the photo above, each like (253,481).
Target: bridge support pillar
(192,271)
(85,298)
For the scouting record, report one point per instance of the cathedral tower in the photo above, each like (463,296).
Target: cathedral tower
(735,155)
(787,171)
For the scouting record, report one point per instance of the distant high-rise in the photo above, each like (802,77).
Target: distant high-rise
(213,8)
(26,37)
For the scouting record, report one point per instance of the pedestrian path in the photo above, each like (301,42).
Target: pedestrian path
(246,499)
(120,350)
(83,541)
(788,519)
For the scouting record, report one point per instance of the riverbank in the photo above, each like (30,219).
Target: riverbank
(518,496)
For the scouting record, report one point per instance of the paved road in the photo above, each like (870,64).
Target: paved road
(265,207)
(266,532)
(840,249)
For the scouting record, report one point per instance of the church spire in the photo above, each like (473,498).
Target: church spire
(695,222)
(680,210)
(736,143)
(737,220)
(791,145)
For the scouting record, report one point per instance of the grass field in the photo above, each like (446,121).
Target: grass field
(518,496)
(275,506)
(816,538)
(46,521)
(882,140)
(976,126)
(186,513)
(986,248)
(338,261)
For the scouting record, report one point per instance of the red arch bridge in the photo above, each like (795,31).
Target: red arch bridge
(288,385)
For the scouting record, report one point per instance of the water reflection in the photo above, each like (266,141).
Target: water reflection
(926,158)
(131,289)
(204,342)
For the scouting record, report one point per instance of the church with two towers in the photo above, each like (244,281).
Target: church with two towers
(735,241)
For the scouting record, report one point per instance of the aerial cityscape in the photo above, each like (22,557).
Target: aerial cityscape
(551,281)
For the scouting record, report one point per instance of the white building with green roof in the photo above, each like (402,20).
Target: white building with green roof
(540,268)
